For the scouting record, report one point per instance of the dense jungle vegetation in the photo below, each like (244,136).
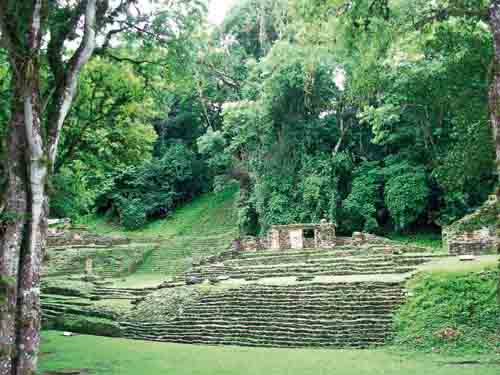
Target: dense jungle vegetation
(374,117)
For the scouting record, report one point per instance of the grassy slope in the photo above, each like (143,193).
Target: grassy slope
(432,240)
(452,309)
(209,214)
(104,356)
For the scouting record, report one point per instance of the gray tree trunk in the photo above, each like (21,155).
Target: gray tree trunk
(494,103)
(11,235)
(24,228)
(494,95)
(23,223)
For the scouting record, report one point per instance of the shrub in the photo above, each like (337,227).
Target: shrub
(72,195)
(406,191)
(133,214)
(365,197)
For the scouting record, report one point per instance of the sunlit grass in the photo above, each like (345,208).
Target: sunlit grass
(105,356)
(455,265)
(432,240)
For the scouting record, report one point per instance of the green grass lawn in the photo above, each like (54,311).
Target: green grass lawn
(455,265)
(105,356)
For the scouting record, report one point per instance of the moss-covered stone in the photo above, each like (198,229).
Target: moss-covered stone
(485,216)
(480,226)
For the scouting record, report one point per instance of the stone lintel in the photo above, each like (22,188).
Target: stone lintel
(300,226)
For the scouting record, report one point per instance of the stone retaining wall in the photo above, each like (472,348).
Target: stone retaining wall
(285,237)
(479,242)
(474,234)
(81,237)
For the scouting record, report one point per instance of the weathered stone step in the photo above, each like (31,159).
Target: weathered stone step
(259,338)
(272,332)
(305,268)
(261,343)
(275,295)
(315,312)
(289,303)
(65,309)
(137,292)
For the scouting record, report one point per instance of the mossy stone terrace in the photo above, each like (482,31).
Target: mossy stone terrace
(342,295)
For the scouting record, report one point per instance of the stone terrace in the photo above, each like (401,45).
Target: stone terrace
(339,297)
(106,261)
(173,257)
(347,260)
(357,314)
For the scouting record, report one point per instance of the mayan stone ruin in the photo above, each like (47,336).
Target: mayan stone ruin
(292,236)
(474,234)
(299,285)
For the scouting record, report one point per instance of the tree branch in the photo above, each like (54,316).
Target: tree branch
(58,35)
(129,59)
(65,91)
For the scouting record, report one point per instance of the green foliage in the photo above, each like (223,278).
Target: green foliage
(109,129)
(132,213)
(276,136)
(382,128)
(417,147)
(484,217)
(211,146)
(73,193)
(451,313)
(363,201)
(405,196)
(154,189)
(256,24)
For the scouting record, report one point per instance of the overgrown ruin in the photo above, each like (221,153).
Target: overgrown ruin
(292,236)
(298,286)
(474,234)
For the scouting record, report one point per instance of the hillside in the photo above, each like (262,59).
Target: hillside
(210,214)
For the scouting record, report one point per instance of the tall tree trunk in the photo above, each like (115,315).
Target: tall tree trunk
(29,314)
(494,102)
(32,152)
(24,226)
(494,95)
(12,228)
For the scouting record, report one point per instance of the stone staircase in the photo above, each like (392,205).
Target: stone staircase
(307,263)
(54,307)
(119,293)
(340,297)
(355,314)
(173,257)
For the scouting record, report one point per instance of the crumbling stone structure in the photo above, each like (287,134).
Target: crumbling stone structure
(292,236)
(74,236)
(474,234)
(478,242)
